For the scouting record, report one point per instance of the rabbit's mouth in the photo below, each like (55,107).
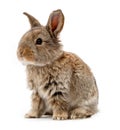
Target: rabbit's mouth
(26,62)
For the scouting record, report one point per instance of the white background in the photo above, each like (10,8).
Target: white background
(92,31)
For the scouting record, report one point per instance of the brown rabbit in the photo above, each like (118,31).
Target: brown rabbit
(63,85)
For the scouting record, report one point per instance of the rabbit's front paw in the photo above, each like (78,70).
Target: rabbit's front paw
(60,116)
(31,115)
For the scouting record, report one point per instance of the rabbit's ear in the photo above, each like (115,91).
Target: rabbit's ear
(34,22)
(55,22)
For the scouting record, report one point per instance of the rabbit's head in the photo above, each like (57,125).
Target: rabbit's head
(40,45)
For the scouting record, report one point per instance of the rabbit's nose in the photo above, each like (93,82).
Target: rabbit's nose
(21,52)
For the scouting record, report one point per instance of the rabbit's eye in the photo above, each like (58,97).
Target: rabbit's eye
(39,41)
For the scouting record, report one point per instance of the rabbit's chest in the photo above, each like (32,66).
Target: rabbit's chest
(47,86)
(43,82)
(47,82)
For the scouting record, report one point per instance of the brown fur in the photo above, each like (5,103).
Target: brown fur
(63,85)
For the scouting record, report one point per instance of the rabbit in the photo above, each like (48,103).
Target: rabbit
(62,84)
